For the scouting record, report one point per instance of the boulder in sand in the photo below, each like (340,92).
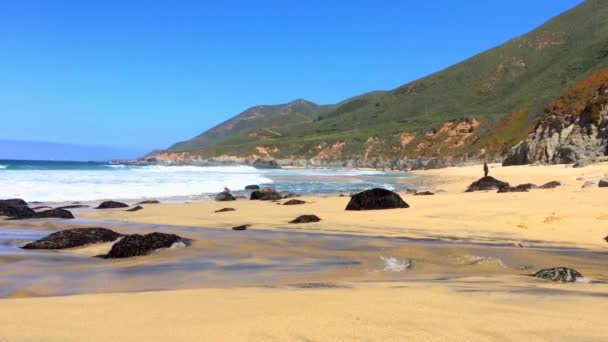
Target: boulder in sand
(505,189)
(74,238)
(55,213)
(376,199)
(424,193)
(16,211)
(223,210)
(486,183)
(550,185)
(224,196)
(241,227)
(603,183)
(305,219)
(559,274)
(112,205)
(149,202)
(135,208)
(266,194)
(294,202)
(136,245)
(527,186)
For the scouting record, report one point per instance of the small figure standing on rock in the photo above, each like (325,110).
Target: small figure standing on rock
(486,170)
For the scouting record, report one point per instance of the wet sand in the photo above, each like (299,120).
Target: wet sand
(344,278)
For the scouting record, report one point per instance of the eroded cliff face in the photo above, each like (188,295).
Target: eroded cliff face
(574,128)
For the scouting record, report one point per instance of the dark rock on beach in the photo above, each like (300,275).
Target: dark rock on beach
(376,199)
(241,227)
(603,183)
(112,205)
(55,213)
(13,201)
(74,238)
(252,187)
(136,245)
(265,164)
(424,193)
(294,202)
(292,195)
(266,194)
(505,189)
(16,211)
(223,210)
(305,219)
(559,274)
(486,183)
(224,196)
(550,185)
(527,186)
(149,202)
(136,208)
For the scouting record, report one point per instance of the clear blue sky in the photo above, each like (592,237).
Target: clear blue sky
(146,74)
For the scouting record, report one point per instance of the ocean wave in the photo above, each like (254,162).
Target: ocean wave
(117,166)
(3,167)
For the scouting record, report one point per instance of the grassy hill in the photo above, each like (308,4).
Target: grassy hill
(480,106)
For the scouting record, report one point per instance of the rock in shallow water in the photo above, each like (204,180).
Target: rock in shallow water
(16,211)
(136,245)
(55,213)
(305,219)
(376,199)
(559,274)
(112,205)
(487,183)
(74,238)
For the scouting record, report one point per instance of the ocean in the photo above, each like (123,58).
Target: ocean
(50,181)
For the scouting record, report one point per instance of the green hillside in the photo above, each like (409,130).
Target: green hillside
(482,105)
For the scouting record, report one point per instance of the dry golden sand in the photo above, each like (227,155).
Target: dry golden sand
(480,308)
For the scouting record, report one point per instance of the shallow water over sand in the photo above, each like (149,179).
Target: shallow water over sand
(225,258)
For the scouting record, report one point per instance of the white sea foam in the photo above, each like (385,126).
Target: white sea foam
(127,183)
(3,166)
(392,264)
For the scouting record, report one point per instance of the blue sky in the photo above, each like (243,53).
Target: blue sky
(145,74)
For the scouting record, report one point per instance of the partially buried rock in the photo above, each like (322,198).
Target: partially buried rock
(241,227)
(74,238)
(111,205)
(252,187)
(55,213)
(149,202)
(136,245)
(306,219)
(603,183)
(424,193)
(292,195)
(505,189)
(527,186)
(136,208)
(294,202)
(376,199)
(223,210)
(266,194)
(560,274)
(225,196)
(550,185)
(486,183)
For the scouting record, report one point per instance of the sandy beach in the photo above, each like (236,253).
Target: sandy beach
(489,296)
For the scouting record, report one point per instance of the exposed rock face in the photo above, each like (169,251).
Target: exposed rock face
(74,238)
(487,183)
(294,202)
(376,199)
(111,205)
(266,194)
(305,219)
(266,164)
(560,274)
(225,196)
(567,134)
(136,245)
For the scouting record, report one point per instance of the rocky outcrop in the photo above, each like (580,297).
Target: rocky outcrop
(74,238)
(559,274)
(112,205)
(487,183)
(266,164)
(136,245)
(376,199)
(567,133)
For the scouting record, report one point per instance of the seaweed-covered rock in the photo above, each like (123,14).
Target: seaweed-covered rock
(74,238)
(252,187)
(136,245)
(223,210)
(112,205)
(550,185)
(266,194)
(294,202)
(486,183)
(305,219)
(376,199)
(224,196)
(560,274)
